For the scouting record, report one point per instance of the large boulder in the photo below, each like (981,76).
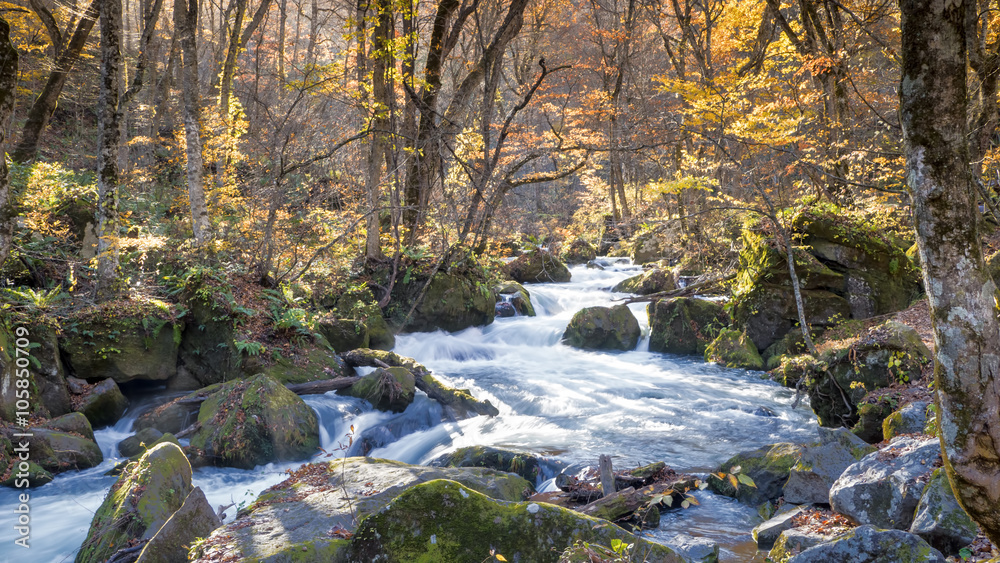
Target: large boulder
(208,353)
(453,302)
(44,374)
(194,519)
(794,541)
(884,488)
(254,421)
(515,294)
(658,243)
(684,325)
(359,303)
(387,389)
(343,334)
(578,252)
(138,442)
(72,423)
(58,450)
(537,266)
(312,361)
(521,463)
(911,419)
(733,349)
(123,341)
(18,473)
(103,404)
(603,328)
(295,518)
(139,503)
(446,522)
(866,544)
(650,281)
(821,464)
(767,533)
(768,466)
(940,520)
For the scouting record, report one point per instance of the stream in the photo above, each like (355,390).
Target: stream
(565,404)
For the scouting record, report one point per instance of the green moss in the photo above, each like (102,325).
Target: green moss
(733,349)
(684,325)
(603,328)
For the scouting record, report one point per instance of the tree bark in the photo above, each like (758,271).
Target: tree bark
(185,24)
(8,88)
(108,141)
(41,110)
(382,62)
(961,293)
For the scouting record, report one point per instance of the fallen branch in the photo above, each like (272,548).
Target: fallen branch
(693,289)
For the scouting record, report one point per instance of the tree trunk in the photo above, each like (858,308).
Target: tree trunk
(108,140)
(961,293)
(8,88)
(229,67)
(45,103)
(185,23)
(381,64)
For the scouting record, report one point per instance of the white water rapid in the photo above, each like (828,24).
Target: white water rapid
(555,401)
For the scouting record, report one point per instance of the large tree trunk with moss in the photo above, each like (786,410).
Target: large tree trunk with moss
(108,140)
(8,86)
(962,295)
(41,110)
(185,25)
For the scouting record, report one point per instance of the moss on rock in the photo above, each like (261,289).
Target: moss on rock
(768,466)
(733,349)
(578,252)
(684,325)
(603,328)
(387,389)
(537,266)
(520,298)
(344,334)
(650,281)
(521,463)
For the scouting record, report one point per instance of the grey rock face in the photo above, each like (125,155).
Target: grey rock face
(868,545)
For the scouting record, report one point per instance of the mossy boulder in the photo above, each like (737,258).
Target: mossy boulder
(650,281)
(291,521)
(578,252)
(73,423)
(343,334)
(58,450)
(47,377)
(15,472)
(207,352)
(194,519)
(453,302)
(312,361)
(123,341)
(387,389)
(871,419)
(768,311)
(103,404)
(658,243)
(768,466)
(142,448)
(911,419)
(883,489)
(821,464)
(603,328)
(517,296)
(360,304)
(139,503)
(792,344)
(684,325)
(940,520)
(537,266)
(135,443)
(446,522)
(733,349)
(794,541)
(866,544)
(524,464)
(254,421)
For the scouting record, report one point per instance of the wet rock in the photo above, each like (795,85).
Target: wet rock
(883,489)
(466,523)
(865,544)
(133,445)
(578,252)
(18,473)
(733,349)
(693,548)
(520,463)
(537,266)
(603,328)
(684,325)
(57,451)
(768,466)
(314,361)
(518,297)
(940,520)
(910,419)
(103,404)
(136,341)
(767,534)
(74,423)
(387,389)
(296,517)
(811,478)
(194,519)
(254,421)
(505,309)
(139,503)
(175,415)
(453,302)
(207,352)
(343,334)
(658,243)
(650,281)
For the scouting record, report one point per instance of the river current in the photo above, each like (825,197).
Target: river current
(567,405)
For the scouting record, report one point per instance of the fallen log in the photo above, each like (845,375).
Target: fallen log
(322,386)
(693,289)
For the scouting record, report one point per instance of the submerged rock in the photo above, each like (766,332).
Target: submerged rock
(519,297)
(194,519)
(139,503)
(299,516)
(865,544)
(883,489)
(940,520)
(684,325)
(768,466)
(446,522)
(733,349)
(254,421)
(603,328)
(694,548)
(537,266)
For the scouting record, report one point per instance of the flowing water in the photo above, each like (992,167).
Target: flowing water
(567,405)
